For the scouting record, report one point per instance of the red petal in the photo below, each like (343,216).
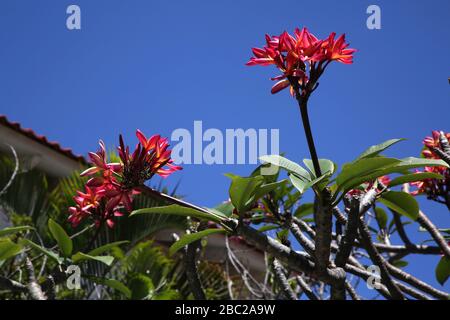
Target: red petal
(280,85)
(142,138)
(90,171)
(110,223)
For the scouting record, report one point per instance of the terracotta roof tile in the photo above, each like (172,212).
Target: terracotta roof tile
(40,139)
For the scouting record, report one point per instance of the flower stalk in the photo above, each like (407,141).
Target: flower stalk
(303,106)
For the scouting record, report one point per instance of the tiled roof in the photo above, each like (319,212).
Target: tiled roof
(40,139)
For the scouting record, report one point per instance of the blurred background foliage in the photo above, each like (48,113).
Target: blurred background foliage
(142,268)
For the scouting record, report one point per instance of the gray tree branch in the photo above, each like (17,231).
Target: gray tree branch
(434,232)
(282,280)
(34,289)
(378,260)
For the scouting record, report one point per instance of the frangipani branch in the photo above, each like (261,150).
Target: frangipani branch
(303,264)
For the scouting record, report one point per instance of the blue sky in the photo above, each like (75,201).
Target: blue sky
(158,66)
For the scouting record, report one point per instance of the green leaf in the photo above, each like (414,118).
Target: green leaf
(49,253)
(8,249)
(191,237)
(283,235)
(419,176)
(112,283)
(292,198)
(362,167)
(224,209)
(412,163)
(443,270)
(304,210)
(382,217)
(376,149)
(178,210)
(243,191)
(316,182)
(400,263)
(303,185)
(298,183)
(287,165)
(64,242)
(268,178)
(327,167)
(11,230)
(141,287)
(267,188)
(407,178)
(399,167)
(80,256)
(401,202)
(106,247)
(268,227)
(167,294)
(257,218)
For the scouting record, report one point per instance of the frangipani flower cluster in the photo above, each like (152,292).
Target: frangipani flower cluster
(112,185)
(381,183)
(301,58)
(433,188)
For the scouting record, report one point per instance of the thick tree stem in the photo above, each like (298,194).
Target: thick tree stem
(351,232)
(294,260)
(345,247)
(192,272)
(324,228)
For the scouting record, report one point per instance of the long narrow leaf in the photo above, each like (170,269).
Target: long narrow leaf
(178,210)
(12,230)
(64,242)
(191,237)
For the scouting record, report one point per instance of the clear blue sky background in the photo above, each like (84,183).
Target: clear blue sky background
(159,65)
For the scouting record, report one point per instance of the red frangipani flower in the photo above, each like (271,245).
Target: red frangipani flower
(384,180)
(336,50)
(434,189)
(150,157)
(431,143)
(85,202)
(297,55)
(111,187)
(107,170)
